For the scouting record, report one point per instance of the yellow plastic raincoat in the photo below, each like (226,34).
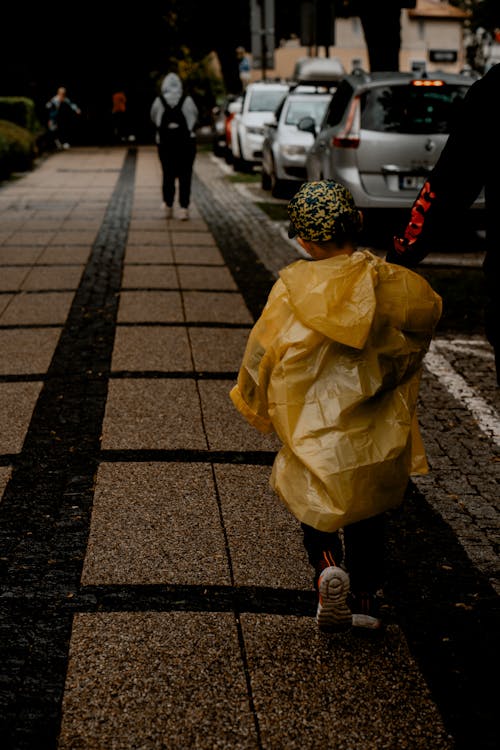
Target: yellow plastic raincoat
(333,366)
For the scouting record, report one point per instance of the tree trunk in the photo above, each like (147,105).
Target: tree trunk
(382,31)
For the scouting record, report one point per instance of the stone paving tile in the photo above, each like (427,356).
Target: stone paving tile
(193,238)
(147,238)
(5,301)
(65,254)
(32,308)
(197,255)
(34,239)
(148,254)
(212,307)
(312,691)
(153,414)
(156,680)
(55,277)
(154,307)
(151,348)
(218,349)
(257,526)
(74,237)
(90,224)
(202,277)
(13,253)
(25,351)
(155,524)
(17,401)
(12,277)
(226,428)
(149,277)
(45,224)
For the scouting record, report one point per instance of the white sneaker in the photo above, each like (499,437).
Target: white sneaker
(333,612)
(184,214)
(65,146)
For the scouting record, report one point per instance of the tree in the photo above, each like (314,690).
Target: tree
(381,27)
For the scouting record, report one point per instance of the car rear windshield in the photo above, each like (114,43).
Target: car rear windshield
(314,108)
(265,101)
(411,109)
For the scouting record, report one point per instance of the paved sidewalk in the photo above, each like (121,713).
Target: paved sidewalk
(155,594)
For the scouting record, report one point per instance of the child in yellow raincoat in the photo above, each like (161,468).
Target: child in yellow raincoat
(333,366)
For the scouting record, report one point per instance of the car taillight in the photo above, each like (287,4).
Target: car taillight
(349,136)
(427,82)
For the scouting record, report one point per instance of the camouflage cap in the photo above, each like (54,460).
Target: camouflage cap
(322,210)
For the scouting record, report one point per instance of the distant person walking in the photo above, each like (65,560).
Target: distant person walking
(119,115)
(244,67)
(467,164)
(175,114)
(61,112)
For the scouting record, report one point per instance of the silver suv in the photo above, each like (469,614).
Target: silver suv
(383,133)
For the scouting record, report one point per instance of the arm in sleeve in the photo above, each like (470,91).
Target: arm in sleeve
(453,185)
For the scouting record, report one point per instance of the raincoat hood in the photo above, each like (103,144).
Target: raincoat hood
(335,297)
(172,88)
(333,367)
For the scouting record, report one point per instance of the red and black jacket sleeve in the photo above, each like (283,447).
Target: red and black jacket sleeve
(456,180)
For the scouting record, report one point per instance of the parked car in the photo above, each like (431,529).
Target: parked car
(383,133)
(260,100)
(285,147)
(310,69)
(221,125)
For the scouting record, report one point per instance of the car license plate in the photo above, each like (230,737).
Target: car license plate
(410,182)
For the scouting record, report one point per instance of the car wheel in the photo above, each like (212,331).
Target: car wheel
(278,187)
(265,180)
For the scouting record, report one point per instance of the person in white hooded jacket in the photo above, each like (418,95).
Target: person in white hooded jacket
(333,366)
(177,150)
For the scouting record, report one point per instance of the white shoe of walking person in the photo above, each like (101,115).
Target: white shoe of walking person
(333,612)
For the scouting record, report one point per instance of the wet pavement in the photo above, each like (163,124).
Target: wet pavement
(155,594)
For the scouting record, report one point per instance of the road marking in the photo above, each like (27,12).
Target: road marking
(484,414)
(473,347)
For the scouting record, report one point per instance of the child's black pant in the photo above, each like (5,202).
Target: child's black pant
(364,551)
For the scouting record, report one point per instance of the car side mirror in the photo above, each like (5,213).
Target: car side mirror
(308,125)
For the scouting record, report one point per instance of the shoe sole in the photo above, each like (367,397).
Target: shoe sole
(333,613)
(366,622)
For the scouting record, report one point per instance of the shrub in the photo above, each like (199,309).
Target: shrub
(17,148)
(21,111)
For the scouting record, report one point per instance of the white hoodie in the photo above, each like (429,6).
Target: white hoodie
(172,89)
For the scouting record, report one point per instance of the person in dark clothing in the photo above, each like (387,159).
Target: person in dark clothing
(469,162)
(60,117)
(176,157)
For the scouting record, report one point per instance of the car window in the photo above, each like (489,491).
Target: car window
(411,109)
(314,108)
(339,104)
(265,101)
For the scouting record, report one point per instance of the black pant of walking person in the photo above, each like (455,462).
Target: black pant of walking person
(177,167)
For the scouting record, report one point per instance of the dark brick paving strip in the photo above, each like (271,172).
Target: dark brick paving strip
(45,512)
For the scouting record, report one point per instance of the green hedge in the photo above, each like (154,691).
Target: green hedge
(21,111)
(17,149)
